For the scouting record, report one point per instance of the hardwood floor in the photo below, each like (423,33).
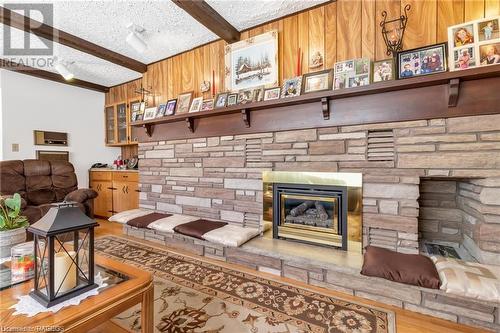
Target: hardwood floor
(406,321)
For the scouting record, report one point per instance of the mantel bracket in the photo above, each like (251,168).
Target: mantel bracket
(453,92)
(149,128)
(245,114)
(325,106)
(190,124)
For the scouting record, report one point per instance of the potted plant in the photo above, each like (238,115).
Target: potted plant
(12,225)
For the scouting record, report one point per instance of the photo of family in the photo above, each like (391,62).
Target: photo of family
(352,73)
(423,61)
(464,58)
(383,70)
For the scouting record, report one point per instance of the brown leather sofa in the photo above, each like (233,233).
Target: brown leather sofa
(41,183)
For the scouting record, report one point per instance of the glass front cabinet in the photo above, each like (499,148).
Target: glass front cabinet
(117,119)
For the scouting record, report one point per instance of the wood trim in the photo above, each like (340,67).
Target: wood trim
(15,67)
(207,16)
(43,30)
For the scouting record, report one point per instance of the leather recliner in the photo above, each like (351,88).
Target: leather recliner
(42,183)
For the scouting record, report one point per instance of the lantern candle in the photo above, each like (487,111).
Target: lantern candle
(63,263)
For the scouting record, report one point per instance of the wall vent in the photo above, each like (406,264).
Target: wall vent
(381,145)
(253,150)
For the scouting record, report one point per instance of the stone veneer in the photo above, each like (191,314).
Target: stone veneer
(220,177)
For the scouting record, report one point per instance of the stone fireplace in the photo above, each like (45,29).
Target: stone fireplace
(314,207)
(220,177)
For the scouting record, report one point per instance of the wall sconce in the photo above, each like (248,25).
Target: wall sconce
(393,31)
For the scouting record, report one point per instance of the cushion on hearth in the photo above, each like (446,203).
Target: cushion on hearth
(414,269)
(469,279)
(169,223)
(124,217)
(231,235)
(146,220)
(198,228)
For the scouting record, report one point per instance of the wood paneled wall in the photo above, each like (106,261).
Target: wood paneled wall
(340,30)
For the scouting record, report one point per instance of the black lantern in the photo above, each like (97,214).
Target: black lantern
(64,254)
(393,31)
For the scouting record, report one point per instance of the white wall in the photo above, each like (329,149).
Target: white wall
(29,103)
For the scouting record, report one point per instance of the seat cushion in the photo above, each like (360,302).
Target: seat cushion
(413,269)
(231,235)
(198,228)
(12,177)
(40,197)
(169,223)
(146,220)
(125,216)
(469,279)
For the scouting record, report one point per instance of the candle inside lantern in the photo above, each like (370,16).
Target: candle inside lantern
(63,263)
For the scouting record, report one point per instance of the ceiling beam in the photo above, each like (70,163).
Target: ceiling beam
(42,30)
(19,68)
(213,21)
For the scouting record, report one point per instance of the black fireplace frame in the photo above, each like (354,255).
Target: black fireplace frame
(329,191)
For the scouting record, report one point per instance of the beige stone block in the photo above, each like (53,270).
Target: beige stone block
(171,208)
(358,150)
(187,172)
(295,273)
(490,137)
(428,130)
(369,202)
(227,215)
(489,232)
(440,160)
(389,207)
(474,124)
(459,307)
(437,122)
(256,259)
(444,214)
(390,191)
(331,158)
(429,312)
(224,162)
(436,138)
(300,145)
(244,184)
(164,153)
(415,148)
(211,192)
(193,201)
(378,298)
(435,186)
(343,136)
(402,124)
(470,146)
(438,172)
(301,166)
(394,222)
(284,152)
(296,136)
(490,196)
(407,211)
(326,147)
(149,162)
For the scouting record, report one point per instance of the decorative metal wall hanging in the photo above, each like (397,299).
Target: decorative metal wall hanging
(393,31)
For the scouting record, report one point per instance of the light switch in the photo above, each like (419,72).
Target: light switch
(15,147)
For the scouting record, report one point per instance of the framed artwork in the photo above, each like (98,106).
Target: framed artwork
(258,94)
(232,99)
(196,105)
(291,87)
(221,100)
(245,96)
(183,102)
(160,112)
(351,73)
(272,93)
(383,70)
(422,61)
(474,43)
(317,81)
(207,104)
(133,116)
(149,113)
(170,107)
(252,62)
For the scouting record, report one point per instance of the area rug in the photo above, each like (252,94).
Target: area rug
(193,295)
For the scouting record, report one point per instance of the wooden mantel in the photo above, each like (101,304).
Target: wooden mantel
(443,95)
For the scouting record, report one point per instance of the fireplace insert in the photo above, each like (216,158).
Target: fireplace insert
(311,213)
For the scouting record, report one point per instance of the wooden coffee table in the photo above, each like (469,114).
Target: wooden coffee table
(128,287)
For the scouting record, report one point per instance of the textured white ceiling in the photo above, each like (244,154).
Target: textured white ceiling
(168,29)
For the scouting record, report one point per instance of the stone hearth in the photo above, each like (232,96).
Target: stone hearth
(220,177)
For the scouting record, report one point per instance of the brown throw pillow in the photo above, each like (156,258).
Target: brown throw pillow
(414,269)
(198,228)
(144,221)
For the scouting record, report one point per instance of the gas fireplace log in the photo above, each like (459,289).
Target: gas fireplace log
(322,214)
(300,209)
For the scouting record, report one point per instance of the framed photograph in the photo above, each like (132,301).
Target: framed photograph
(252,62)
(272,93)
(383,70)
(232,99)
(489,29)
(258,94)
(291,87)
(221,100)
(317,81)
(160,112)
(207,104)
(422,61)
(351,73)
(463,34)
(464,58)
(133,116)
(196,105)
(245,96)
(149,113)
(490,54)
(170,107)
(183,102)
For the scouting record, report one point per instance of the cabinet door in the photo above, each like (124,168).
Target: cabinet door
(121,123)
(109,122)
(103,204)
(125,196)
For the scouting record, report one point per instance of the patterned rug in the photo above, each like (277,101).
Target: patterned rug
(196,296)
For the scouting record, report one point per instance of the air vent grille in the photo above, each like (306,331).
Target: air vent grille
(381,145)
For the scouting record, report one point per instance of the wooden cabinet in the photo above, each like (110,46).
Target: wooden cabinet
(117,120)
(118,191)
